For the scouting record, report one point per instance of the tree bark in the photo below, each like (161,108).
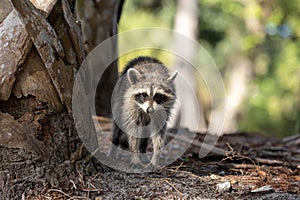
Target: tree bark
(41,49)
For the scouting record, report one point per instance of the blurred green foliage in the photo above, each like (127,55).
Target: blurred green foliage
(265,31)
(140,14)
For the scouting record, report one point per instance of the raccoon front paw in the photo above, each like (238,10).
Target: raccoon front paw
(144,158)
(112,153)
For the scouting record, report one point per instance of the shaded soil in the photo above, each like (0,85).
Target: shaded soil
(185,181)
(243,162)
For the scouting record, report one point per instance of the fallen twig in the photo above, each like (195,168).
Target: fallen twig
(66,195)
(233,155)
(180,193)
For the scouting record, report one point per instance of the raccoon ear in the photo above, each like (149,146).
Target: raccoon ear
(133,75)
(172,77)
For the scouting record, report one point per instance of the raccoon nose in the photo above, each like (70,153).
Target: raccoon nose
(150,110)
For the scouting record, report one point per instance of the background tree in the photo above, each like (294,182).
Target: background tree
(186,23)
(98,25)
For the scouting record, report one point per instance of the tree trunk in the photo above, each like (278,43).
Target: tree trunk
(186,21)
(41,49)
(236,93)
(240,72)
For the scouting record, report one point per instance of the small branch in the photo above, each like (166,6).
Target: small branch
(232,155)
(66,195)
(268,161)
(180,193)
(59,191)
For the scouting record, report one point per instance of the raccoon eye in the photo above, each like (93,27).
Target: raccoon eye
(160,98)
(144,95)
(141,97)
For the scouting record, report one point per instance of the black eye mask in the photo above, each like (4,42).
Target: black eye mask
(141,97)
(160,98)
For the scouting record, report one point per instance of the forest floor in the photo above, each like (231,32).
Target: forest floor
(185,180)
(240,166)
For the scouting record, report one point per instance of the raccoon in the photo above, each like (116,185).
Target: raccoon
(141,103)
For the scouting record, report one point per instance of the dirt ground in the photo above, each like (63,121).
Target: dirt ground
(186,180)
(241,166)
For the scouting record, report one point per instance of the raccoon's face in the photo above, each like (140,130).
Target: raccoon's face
(151,96)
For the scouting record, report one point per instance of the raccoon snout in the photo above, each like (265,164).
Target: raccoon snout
(150,110)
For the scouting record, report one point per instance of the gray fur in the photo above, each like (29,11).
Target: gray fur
(136,121)
(172,77)
(133,76)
